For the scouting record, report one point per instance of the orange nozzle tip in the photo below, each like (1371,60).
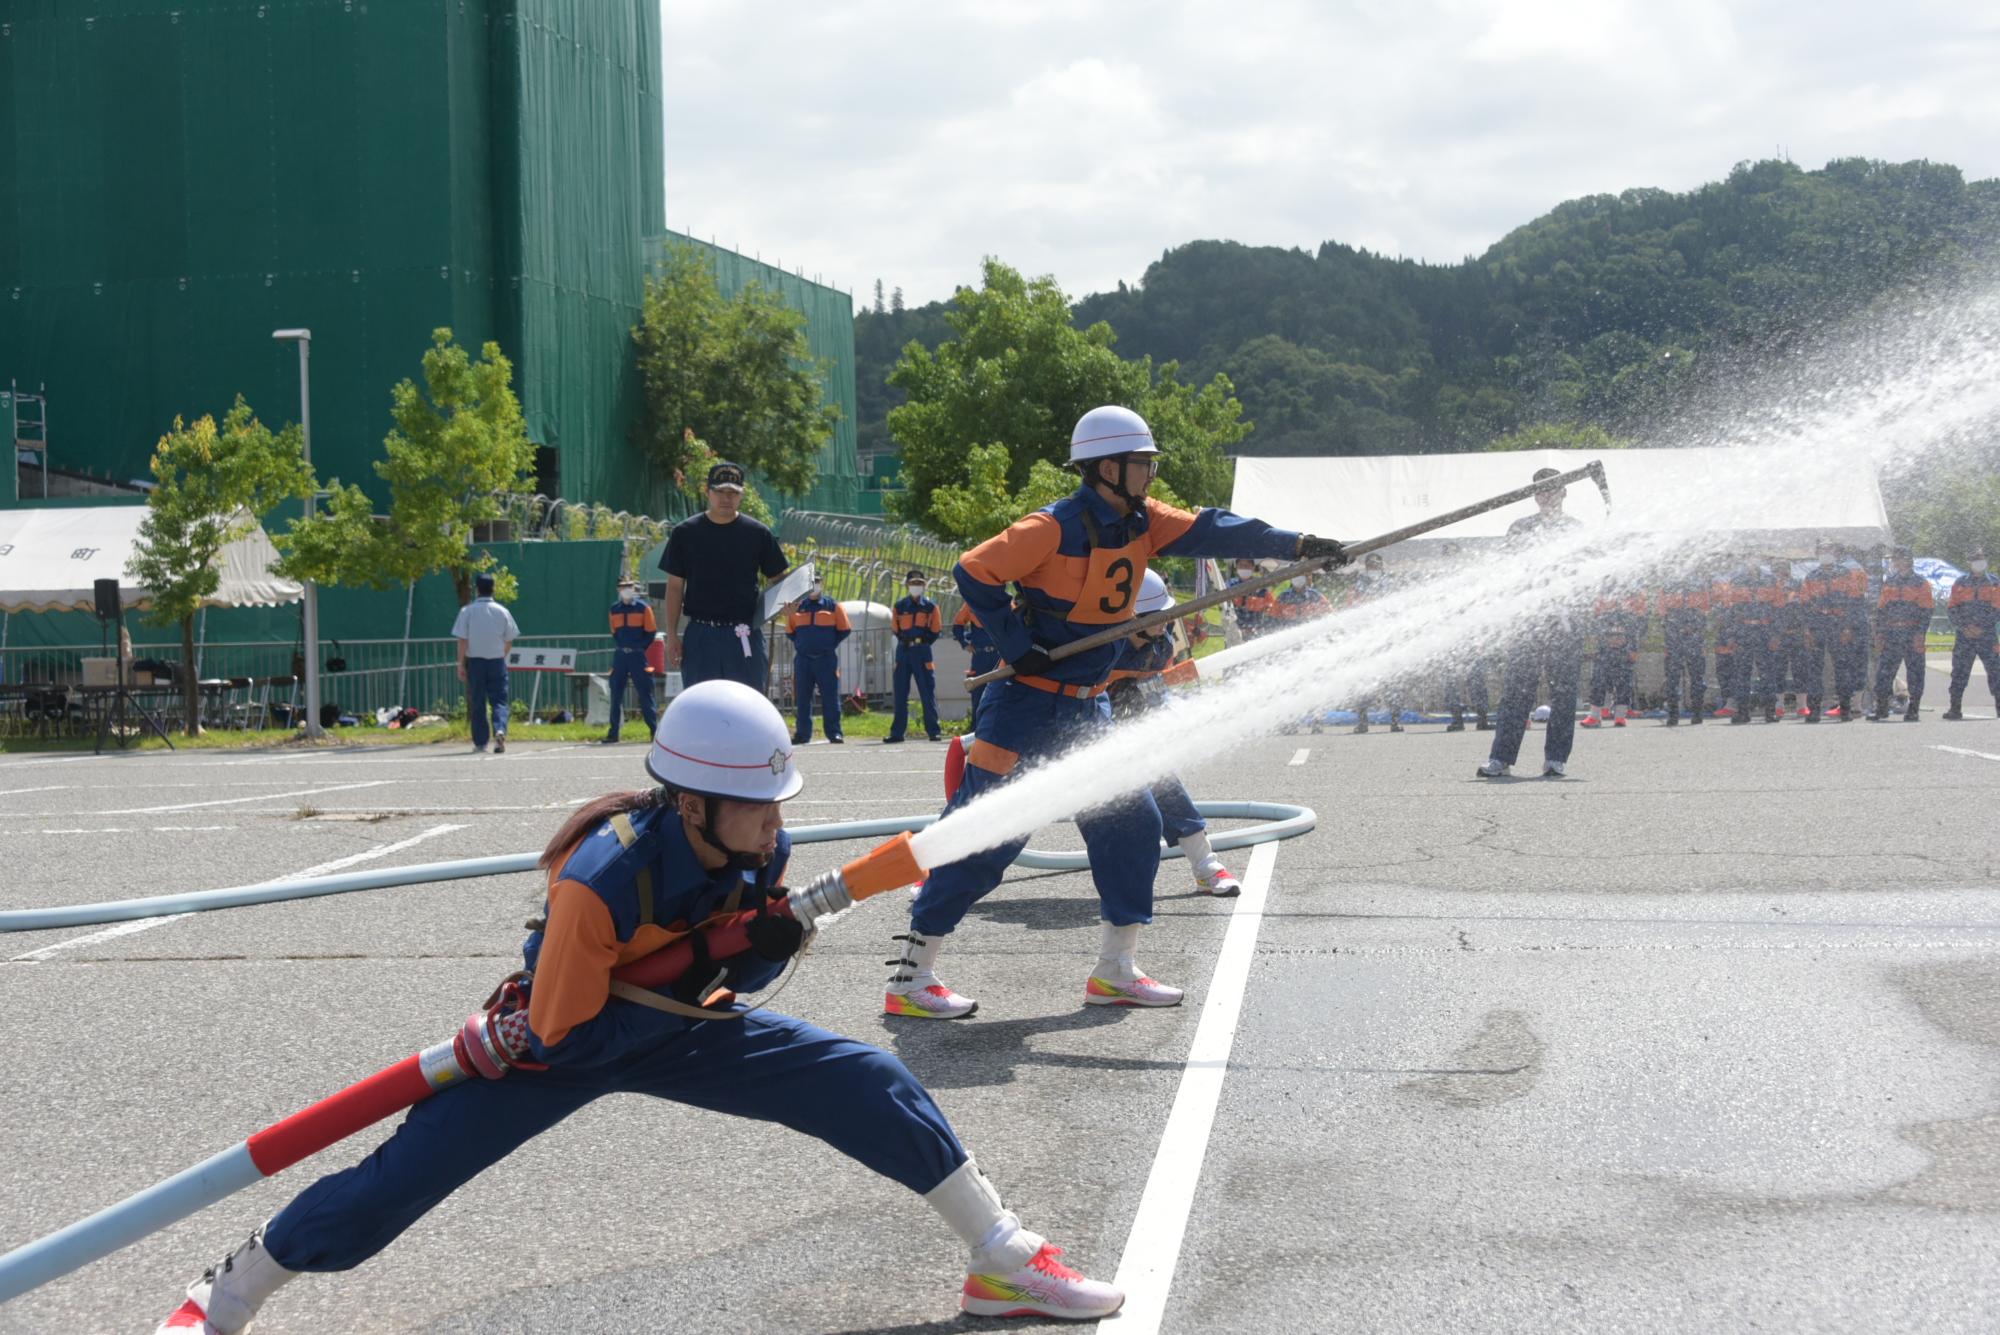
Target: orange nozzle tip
(890,866)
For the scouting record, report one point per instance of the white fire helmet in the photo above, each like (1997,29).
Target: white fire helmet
(1103,433)
(1154,595)
(722,739)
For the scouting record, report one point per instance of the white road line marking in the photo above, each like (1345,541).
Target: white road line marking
(141,924)
(51,788)
(1961,751)
(253,797)
(1153,1248)
(1299,756)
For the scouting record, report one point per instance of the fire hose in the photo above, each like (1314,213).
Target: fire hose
(491,1042)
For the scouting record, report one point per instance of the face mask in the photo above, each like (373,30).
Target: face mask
(1979,567)
(629,596)
(815,591)
(916,590)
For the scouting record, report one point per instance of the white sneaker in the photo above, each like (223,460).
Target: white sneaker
(1210,876)
(1493,769)
(1117,980)
(1553,770)
(914,989)
(226,1298)
(1042,1287)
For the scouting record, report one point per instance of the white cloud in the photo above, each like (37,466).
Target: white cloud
(902,140)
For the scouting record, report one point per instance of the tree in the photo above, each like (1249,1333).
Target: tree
(974,510)
(1558,436)
(1018,373)
(878,296)
(896,301)
(738,373)
(458,447)
(210,487)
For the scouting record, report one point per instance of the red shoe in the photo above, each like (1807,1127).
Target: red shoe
(1589,721)
(1618,722)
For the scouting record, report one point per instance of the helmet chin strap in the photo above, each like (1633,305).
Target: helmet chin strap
(737,859)
(1117,488)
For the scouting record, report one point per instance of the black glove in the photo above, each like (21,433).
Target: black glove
(1313,549)
(776,936)
(1034,663)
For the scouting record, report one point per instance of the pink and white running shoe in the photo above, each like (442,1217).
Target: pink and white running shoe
(1043,1287)
(935,1002)
(1140,991)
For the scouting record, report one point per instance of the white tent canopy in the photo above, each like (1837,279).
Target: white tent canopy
(1762,499)
(51,559)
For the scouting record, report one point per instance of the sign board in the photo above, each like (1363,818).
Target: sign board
(542,660)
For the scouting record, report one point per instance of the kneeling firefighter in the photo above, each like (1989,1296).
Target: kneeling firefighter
(629,874)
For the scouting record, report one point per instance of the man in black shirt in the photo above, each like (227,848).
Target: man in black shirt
(713,564)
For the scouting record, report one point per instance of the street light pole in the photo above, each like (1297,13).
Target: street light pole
(303,337)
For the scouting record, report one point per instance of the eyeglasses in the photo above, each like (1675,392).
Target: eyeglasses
(1150,462)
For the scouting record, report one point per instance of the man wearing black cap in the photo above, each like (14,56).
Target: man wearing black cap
(485,631)
(713,564)
(1552,649)
(1975,615)
(1902,615)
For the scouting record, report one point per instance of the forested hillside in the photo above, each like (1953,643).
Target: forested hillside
(1604,311)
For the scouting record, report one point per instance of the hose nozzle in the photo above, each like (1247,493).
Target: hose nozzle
(888,866)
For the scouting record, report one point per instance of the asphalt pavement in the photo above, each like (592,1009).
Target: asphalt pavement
(1705,1036)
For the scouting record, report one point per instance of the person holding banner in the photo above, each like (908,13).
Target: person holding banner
(713,563)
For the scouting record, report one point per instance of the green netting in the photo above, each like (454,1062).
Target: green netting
(180,177)
(829,316)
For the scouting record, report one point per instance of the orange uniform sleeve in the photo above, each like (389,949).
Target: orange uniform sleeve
(573,972)
(936,622)
(1925,598)
(651,622)
(840,618)
(1164,523)
(1015,551)
(792,619)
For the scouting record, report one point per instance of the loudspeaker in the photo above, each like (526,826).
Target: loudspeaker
(107,599)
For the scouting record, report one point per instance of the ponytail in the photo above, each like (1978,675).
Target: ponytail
(593,814)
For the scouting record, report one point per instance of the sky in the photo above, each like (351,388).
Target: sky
(866,139)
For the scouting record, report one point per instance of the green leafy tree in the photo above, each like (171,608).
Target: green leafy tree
(972,511)
(1558,436)
(1017,373)
(458,448)
(210,485)
(1946,511)
(738,373)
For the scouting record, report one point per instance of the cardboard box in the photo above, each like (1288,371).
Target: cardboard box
(104,671)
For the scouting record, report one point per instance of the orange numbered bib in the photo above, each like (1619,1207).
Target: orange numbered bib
(1110,585)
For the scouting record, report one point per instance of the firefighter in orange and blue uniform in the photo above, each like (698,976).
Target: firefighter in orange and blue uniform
(1975,613)
(1751,613)
(1792,650)
(1834,599)
(1621,625)
(816,625)
(1902,616)
(1078,565)
(972,637)
(919,622)
(632,631)
(1683,607)
(1255,610)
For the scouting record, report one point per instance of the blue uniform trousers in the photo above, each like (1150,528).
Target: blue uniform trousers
(1611,673)
(1178,818)
(1465,685)
(816,672)
(1122,836)
(1967,646)
(629,665)
(710,653)
(1553,654)
(1755,669)
(1907,648)
(913,663)
(486,687)
(1792,661)
(983,661)
(859,1099)
(1685,666)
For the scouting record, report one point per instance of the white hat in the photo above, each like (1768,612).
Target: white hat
(1153,595)
(723,739)
(1104,433)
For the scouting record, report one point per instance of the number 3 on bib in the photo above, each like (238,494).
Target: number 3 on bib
(1110,585)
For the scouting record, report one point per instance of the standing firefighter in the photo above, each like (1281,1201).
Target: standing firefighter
(1621,627)
(1755,595)
(1835,598)
(1465,670)
(1551,649)
(1683,605)
(626,875)
(1902,615)
(1253,609)
(816,625)
(972,636)
(1078,565)
(1975,613)
(1149,663)
(919,622)
(632,632)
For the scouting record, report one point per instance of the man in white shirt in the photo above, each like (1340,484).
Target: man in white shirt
(485,631)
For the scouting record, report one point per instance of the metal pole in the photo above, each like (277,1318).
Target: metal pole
(1594,470)
(403,674)
(303,337)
